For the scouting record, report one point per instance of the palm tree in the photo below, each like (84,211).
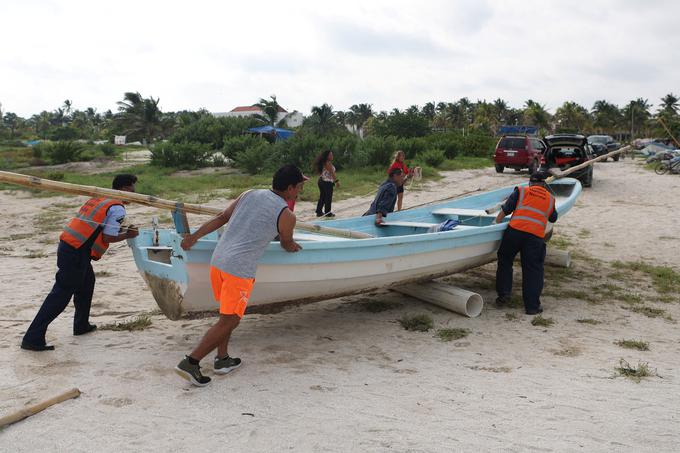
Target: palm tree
(606,116)
(669,106)
(322,120)
(140,116)
(636,116)
(428,110)
(501,111)
(11,121)
(535,114)
(572,117)
(362,112)
(270,111)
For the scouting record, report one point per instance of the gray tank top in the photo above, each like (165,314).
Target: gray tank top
(253,225)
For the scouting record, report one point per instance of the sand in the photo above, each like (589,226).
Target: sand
(332,376)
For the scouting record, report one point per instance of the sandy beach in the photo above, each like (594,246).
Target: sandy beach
(335,377)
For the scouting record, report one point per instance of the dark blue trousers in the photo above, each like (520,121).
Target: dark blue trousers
(532,252)
(75,278)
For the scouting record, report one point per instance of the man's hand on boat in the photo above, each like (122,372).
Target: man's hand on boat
(379,219)
(132,232)
(188,241)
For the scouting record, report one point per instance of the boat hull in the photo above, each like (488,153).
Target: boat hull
(329,267)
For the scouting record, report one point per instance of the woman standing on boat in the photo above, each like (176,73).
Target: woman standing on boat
(399,162)
(323,164)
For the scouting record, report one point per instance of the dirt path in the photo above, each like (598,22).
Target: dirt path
(335,376)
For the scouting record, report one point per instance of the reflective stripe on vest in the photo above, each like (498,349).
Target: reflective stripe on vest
(533,211)
(87,222)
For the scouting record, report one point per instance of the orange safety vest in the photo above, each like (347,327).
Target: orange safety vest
(89,221)
(533,209)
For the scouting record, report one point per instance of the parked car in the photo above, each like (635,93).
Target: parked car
(603,144)
(566,151)
(518,152)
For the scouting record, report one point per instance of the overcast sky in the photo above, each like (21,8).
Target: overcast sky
(218,54)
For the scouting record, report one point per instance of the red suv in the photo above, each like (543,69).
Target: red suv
(518,152)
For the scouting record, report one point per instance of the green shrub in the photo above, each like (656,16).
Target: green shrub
(107,149)
(55,176)
(234,145)
(255,159)
(64,133)
(63,152)
(434,157)
(181,155)
(212,131)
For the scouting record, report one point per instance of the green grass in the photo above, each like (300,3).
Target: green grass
(664,278)
(465,163)
(540,321)
(450,334)
(633,344)
(560,242)
(635,374)
(32,254)
(590,321)
(139,323)
(577,294)
(511,316)
(416,323)
(650,312)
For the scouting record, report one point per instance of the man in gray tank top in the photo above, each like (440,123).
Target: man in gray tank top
(255,218)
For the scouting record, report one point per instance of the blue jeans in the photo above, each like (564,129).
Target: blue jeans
(75,278)
(532,253)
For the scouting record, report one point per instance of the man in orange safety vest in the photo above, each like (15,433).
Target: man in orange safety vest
(86,237)
(532,207)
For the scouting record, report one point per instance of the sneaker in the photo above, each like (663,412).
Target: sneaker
(534,312)
(330,214)
(191,373)
(226,365)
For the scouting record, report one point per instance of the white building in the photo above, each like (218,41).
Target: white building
(292,119)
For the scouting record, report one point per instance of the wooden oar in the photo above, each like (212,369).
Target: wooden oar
(149,200)
(556,173)
(32,410)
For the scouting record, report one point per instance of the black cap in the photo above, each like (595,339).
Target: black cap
(539,176)
(288,175)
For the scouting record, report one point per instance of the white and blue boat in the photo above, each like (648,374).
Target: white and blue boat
(402,251)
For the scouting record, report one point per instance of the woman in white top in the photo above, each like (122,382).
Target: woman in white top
(323,164)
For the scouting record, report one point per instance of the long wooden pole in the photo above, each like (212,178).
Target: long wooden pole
(149,200)
(32,410)
(663,123)
(556,173)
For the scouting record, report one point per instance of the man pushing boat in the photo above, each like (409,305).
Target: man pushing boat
(255,218)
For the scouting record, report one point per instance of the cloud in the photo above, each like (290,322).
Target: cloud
(367,41)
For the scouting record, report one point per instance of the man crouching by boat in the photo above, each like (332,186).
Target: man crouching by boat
(86,237)
(386,197)
(255,218)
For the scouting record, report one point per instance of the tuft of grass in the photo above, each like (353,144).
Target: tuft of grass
(540,321)
(576,294)
(450,334)
(20,236)
(49,220)
(103,274)
(584,232)
(637,373)
(560,242)
(630,299)
(664,278)
(650,312)
(511,316)
(140,322)
(516,301)
(609,244)
(416,323)
(633,344)
(590,321)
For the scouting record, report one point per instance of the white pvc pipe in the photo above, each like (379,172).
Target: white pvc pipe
(449,297)
(557,257)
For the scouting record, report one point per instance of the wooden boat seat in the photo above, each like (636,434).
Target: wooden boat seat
(461,211)
(316,237)
(410,224)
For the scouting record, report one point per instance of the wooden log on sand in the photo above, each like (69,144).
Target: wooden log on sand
(149,200)
(32,410)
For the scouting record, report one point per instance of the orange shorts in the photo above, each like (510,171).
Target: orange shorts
(230,291)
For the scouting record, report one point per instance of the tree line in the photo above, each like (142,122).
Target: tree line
(141,119)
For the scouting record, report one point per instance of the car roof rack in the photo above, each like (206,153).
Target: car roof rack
(517,130)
